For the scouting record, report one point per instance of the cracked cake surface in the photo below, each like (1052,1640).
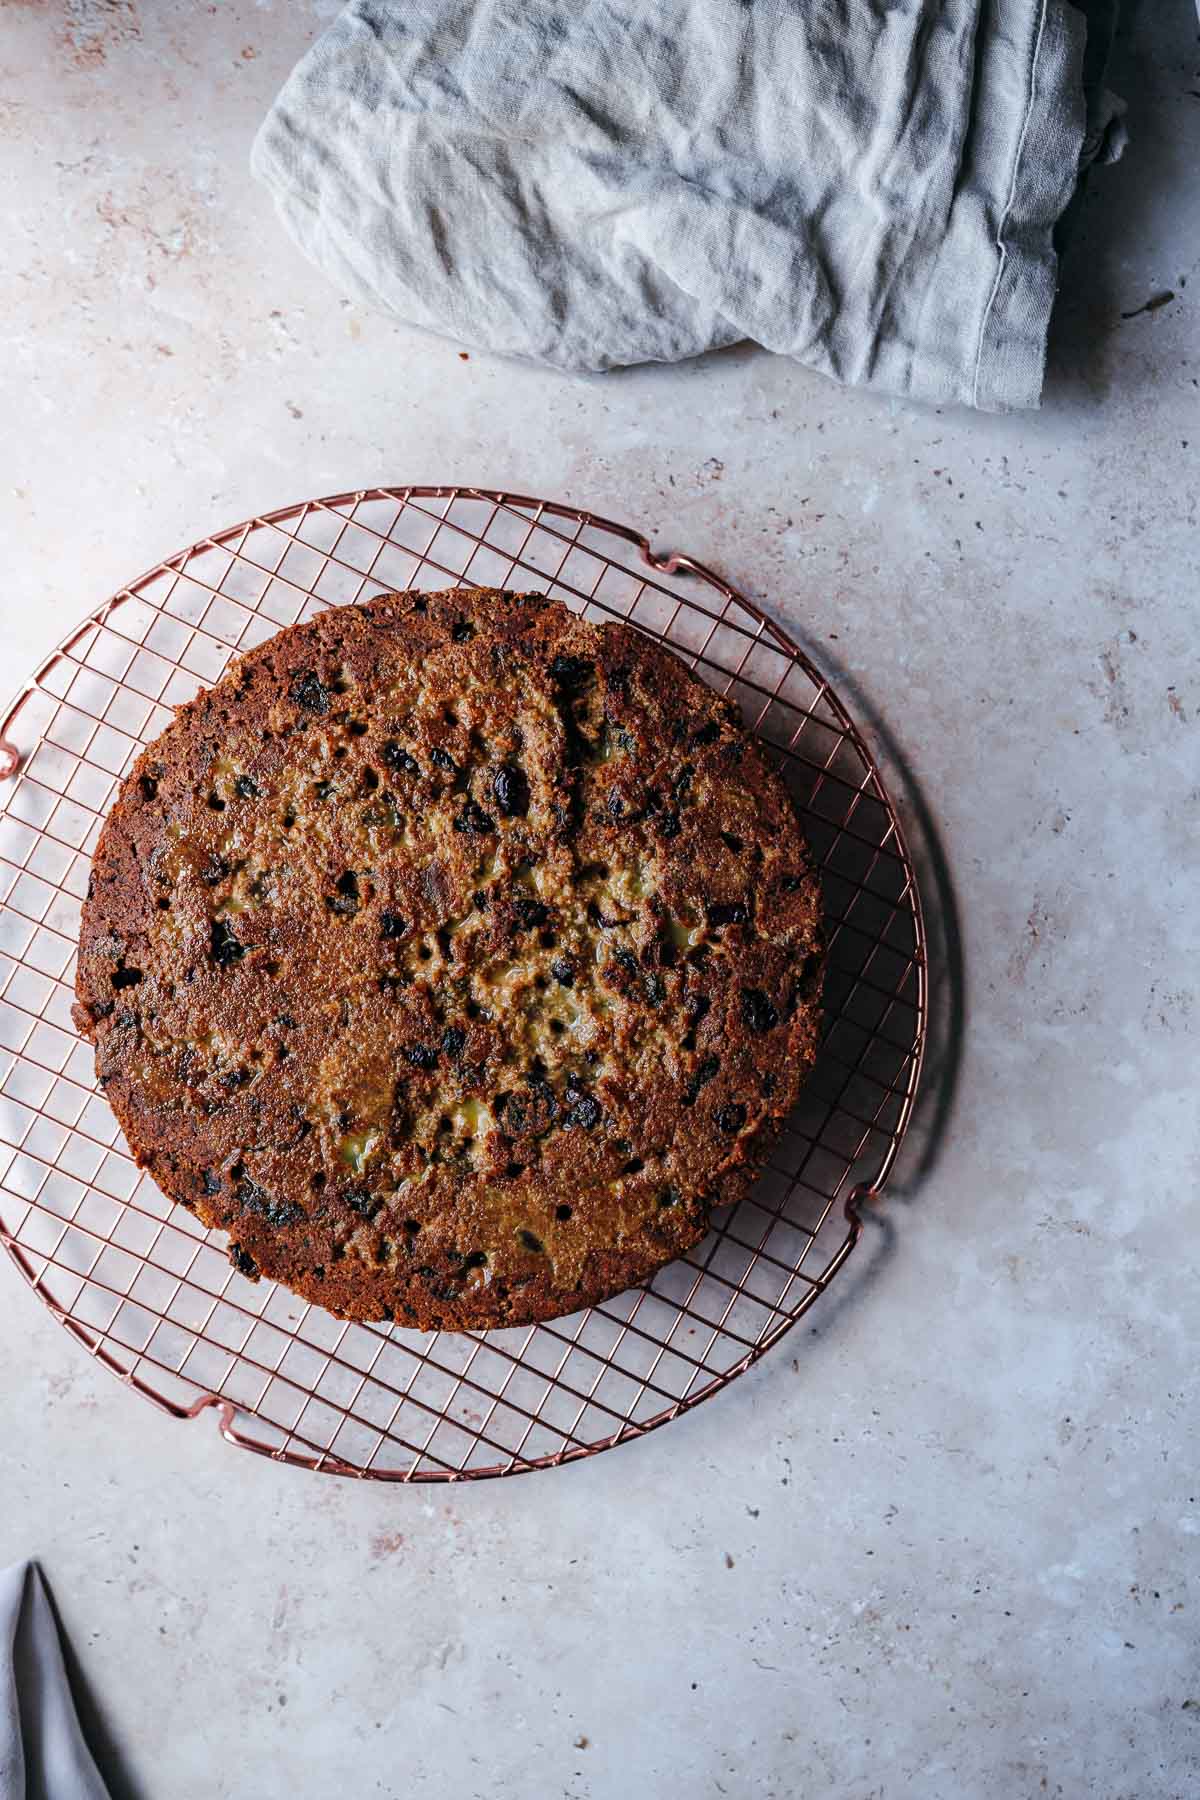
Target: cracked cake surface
(455,955)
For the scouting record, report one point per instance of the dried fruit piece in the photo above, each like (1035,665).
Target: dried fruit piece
(732,912)
(531,913)
(473,819)
(363,1202)
(345,899)
(758,1013)
(399,760)
(702,1074)
(223,945)
(511,790)
(586,1112)
(310,692)
(571,674)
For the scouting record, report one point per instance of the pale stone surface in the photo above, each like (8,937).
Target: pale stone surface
(944,1543)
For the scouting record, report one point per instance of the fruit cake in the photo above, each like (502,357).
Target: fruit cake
(454,955)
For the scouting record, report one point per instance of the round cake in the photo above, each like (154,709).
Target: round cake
(455,955)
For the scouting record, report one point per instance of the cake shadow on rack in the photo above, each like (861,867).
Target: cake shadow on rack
(945,1015)
(151,1294)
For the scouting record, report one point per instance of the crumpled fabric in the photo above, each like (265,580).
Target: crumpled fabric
(870,187)
(43,1755)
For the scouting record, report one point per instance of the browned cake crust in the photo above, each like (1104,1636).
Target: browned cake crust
(454,955)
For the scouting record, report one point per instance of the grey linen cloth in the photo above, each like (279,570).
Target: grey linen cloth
(868,186)
(42,1752)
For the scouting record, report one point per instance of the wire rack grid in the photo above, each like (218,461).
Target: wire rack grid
(149,1292)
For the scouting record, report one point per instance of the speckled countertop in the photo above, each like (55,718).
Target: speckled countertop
(942,1542)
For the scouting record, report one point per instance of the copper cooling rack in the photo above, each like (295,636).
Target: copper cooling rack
(151,1294)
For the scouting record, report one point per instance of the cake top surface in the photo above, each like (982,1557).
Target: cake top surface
(455,955)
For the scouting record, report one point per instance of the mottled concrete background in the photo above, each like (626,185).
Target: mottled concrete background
(943,1543)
